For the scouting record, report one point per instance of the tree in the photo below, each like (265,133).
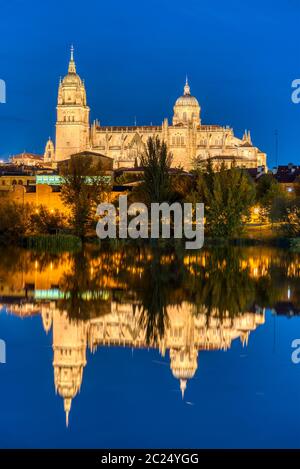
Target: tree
(297,187)
(293,221)
(14,220)
(83,188)
(45,221)
(270,196)
(228,195)
(156,161)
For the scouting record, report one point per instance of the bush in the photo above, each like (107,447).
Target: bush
(293,221)
(15,220)
(45,221)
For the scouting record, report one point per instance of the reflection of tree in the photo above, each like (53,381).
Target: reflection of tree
(222,284)
(154,291)
(82,297)
(226,281)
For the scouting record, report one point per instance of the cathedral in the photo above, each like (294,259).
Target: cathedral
(189,140)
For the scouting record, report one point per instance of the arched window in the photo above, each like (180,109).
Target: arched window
(182,140)
(14,182)
(184,116)
(20,182)
(178,141)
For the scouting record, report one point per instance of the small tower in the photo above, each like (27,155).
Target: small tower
(49,153)
(72,124)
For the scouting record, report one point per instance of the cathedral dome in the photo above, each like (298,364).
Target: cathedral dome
(71,89)
(187,108)
(72,79)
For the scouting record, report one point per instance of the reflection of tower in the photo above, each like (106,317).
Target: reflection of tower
(69,346)
(46,313)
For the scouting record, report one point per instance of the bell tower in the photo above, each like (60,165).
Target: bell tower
(72,124)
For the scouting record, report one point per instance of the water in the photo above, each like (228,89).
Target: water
(133,347)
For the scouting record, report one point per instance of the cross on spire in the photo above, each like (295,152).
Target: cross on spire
(72,66)
(187,86)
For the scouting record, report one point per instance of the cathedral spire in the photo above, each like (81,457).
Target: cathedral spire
(187,90)
(72,66)
(183,386)
(67,407)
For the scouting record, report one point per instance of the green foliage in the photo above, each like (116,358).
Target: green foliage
(156,161)
(45,221)
(83,196)
(293,221)
(227,195)
(126,178)
(14,220)
(297,186)
(54,243)
(182,186)
(267,189)
(271,197)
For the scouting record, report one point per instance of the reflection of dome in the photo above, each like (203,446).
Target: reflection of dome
(186,109)
(183,365)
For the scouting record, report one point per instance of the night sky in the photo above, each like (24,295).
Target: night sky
(241,58)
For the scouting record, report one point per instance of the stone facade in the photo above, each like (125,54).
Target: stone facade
(72,124)
(187,138)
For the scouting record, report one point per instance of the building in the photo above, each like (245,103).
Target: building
(289,177)
(189,140)
(27,159)
(99,163)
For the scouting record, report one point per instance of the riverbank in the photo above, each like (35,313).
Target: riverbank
(67,242)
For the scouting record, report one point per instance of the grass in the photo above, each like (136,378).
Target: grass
(53,243)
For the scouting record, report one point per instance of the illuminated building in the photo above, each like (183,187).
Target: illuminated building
(187,137)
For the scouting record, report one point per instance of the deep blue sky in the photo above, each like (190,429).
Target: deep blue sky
(245,397)
(241,58)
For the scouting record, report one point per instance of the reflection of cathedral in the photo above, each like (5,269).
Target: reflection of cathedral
(185,335)
(110,290)
(187,138)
